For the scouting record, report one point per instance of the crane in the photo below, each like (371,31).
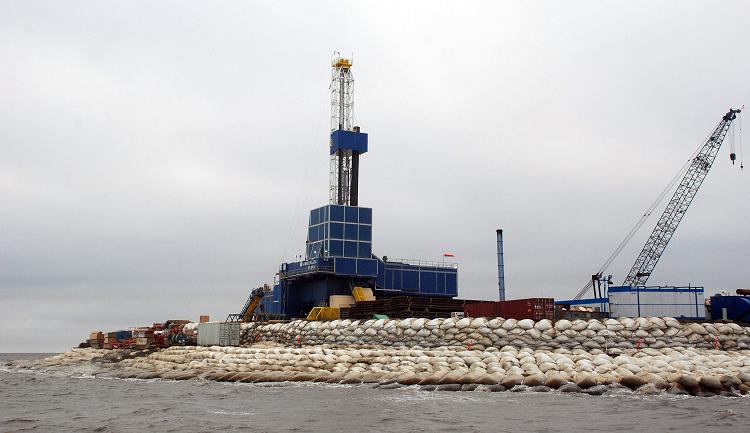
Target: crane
(696,172)
(678,205)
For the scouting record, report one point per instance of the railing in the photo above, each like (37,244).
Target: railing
(308,269)
(417,262)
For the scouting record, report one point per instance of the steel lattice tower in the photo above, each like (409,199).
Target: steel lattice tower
(343,185)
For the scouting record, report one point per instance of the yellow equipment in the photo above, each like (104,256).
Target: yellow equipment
(332,313)
(324,313)
(256,296)
(341,62)
(363,294)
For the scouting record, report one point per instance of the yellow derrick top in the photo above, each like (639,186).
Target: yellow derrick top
(342,63)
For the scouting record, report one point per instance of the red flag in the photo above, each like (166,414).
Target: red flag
(449,255)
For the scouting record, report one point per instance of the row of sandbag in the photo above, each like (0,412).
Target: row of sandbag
(623,333)
(692,370)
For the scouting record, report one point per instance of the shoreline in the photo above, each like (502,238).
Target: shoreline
(394,368)
(645,355)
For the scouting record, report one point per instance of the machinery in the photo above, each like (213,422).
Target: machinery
(695,172)
(252,303)
(170,333)
(731,307)
(338,252)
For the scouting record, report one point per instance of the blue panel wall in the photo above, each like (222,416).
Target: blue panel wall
(339,231)
(368,267)
(346,266)
(428,282)
(350,140)
(425,280)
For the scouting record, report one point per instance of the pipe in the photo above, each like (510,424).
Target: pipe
(354,187)
(500,265)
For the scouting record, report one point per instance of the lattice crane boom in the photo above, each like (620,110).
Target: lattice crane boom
(678,204)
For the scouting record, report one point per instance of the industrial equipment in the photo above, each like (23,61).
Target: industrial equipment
(324,313)
(695,171)
(730,307)
(252,303)
(170,334)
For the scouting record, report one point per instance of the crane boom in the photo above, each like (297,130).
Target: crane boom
(678,204)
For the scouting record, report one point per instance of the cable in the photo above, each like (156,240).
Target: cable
(302,194)
(742,164)
(732,154)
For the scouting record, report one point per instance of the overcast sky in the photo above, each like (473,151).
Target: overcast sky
(158,159)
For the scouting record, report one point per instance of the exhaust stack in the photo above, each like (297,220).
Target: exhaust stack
(500,265)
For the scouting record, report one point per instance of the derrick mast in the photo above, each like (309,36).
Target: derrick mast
(346,143)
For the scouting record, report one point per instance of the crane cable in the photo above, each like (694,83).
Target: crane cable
(303,195)
(644,217)
(742,164)
(732,154)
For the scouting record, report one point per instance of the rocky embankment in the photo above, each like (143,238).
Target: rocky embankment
(646,355)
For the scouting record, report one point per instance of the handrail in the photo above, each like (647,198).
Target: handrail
(431,263)
(306,270)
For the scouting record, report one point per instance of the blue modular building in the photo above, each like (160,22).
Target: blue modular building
(339,257)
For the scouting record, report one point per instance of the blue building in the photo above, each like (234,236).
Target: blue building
(339,257)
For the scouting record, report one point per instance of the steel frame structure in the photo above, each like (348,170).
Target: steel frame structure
(678,204)
(343,161)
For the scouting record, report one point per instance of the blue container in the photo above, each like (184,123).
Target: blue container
(124,335)
(738,307)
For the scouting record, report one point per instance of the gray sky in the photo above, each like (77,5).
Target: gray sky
(159,159)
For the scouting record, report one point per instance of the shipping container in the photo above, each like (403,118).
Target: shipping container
(219,334)
(203,319)
(532,308)
(123,335)
(482,309)
(678,302)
